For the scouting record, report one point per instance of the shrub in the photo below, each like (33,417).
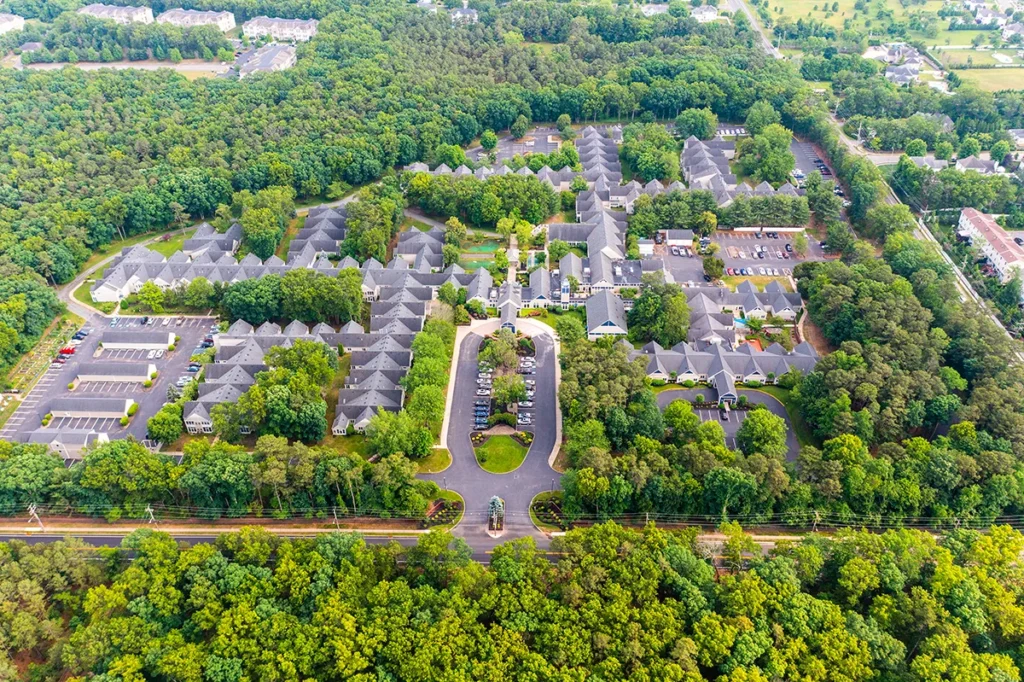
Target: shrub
(71,386)
(502,418)
(752,384)
(658,382)
(689,383)
(742,400)
(124,421)
(133,409)
(170,348)
(153,375)
(147,383)
(700,397)
(177,338)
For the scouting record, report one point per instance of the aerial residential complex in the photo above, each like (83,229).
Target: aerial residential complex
(280,29)
(186,18)
(122,15)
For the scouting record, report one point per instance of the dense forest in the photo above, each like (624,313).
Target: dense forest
(619,604)
(91,156)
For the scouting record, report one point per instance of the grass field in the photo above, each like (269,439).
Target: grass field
(867,21)
(438,460)
(994,80)
(551,319)
(173,244)
(500,454)
(758,281)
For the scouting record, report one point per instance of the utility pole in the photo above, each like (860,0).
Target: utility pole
(33,516)
(336,524)
(149,513)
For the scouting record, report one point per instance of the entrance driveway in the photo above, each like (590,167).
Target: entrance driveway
(736,417)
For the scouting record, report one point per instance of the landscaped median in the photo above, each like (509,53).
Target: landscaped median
(501,454)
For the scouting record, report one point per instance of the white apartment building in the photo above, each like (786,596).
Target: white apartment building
(1005,255)
(121,15)
(186,18)
(280,29)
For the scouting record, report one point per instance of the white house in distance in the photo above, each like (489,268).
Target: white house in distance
(1017,135)
(10,22)
(606,316)
(1005,255)
(186,18)
(121,15)
(979,165)
(280,29)
(704,14)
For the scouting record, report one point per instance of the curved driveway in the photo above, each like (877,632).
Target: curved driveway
(732,426)
(517,488)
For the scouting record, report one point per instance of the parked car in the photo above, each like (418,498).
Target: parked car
(789,247)
(760,271)
(757,235)
(775,272)
(526,404)
(675,250)
(730,271)
(482,402)
(166,322)
(479,427)
(483,391)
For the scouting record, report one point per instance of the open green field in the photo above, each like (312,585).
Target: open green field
(955,58)
(994,80)
(437,461)
(500,454)
(868,21)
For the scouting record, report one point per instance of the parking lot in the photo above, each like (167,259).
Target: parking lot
(808,160)
(738,250)
(536,141)
(54,382)
(733,419)
(483,406)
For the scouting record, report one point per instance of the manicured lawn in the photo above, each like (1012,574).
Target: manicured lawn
(803,430)
(294,225)
(356,443)
(551,319)
(500,455)
(438,460)
(734,281)
(173,244)
(115,247)
(994,80)
(408,223)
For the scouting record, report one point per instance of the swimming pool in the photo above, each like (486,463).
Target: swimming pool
(739,322)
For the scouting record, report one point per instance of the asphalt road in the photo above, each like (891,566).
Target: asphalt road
(516,488)
(736,417)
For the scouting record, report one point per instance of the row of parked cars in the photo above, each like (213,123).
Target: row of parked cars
(482,406)
(764,272)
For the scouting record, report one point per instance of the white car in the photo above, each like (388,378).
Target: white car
(159,353)
(482,391)
(761,271)
(151,355)
(775,272)
(526,404)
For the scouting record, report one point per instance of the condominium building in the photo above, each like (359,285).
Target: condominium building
(280,29)
(121,15)
(187,18)
(1005,255)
